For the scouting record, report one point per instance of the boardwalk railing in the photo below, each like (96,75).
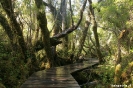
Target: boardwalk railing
(58,77)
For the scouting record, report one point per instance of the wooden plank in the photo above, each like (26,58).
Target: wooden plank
(51,82)
(58,77)
(52,78)
(51,85)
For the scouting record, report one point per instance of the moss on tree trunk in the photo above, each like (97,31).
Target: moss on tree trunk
(94,27)
(41,17)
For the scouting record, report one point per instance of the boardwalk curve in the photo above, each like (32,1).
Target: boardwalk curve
(57,77)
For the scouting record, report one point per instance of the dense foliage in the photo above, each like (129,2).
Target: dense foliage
(39,34)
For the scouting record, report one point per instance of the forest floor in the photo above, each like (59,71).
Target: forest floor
(99,76)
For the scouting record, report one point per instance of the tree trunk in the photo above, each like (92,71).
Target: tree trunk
(63,13)
(118,58)
(83,37)
(74,27)
(7,6)
(117,74)
(56,16)
(57,22)
(9,32)
(41,17)
(118,68)
(94,27)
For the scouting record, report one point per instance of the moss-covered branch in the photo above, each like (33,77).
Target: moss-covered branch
(41,17)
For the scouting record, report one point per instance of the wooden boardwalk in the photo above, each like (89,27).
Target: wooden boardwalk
(58,77)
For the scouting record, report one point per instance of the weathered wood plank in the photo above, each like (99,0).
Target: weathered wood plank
(52,86)
(51,82)
(58,77)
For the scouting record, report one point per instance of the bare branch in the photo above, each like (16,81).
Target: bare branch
(71,29)
(51,7)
